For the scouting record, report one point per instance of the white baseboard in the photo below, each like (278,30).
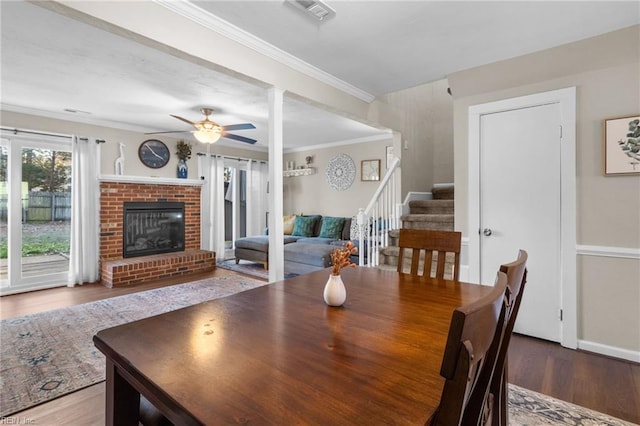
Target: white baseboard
(612,351)
(413,195)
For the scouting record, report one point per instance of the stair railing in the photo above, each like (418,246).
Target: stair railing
(381,215)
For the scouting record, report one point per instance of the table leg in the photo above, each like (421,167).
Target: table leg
(122,399)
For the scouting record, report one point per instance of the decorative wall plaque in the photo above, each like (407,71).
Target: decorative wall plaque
(341,172)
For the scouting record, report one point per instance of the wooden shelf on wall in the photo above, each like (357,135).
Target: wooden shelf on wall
(299,172)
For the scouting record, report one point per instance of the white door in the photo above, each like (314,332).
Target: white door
(520,208)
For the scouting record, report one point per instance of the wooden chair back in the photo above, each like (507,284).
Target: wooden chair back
(472,333)
(429,242)
(516,273)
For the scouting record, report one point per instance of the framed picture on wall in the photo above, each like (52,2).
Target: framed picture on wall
(621,148)
(370,170)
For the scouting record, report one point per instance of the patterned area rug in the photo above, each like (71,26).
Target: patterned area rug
(528,408)
(47,355)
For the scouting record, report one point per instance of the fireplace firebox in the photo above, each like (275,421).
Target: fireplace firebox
(152,228)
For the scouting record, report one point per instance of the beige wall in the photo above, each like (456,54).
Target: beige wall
(424,117)
(110,150)
(313,195)
(606,72)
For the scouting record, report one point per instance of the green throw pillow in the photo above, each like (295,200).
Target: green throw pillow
(332,227)
(304,226)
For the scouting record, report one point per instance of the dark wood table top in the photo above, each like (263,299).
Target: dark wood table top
(278,354)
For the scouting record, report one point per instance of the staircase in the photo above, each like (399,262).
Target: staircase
(435,214)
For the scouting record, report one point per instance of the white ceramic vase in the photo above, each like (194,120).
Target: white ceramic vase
(334,291)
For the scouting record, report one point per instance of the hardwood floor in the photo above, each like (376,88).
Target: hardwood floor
(603,384)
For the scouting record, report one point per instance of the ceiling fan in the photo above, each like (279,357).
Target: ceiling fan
(208,131)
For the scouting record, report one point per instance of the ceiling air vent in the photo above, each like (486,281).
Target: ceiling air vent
(315,8)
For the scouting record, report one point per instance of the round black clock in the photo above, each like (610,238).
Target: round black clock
(154,153)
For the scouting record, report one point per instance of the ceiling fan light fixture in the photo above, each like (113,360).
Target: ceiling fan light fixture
(207,135)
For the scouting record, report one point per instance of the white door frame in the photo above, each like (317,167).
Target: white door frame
(566,98)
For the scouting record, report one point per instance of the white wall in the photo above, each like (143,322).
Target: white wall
(424,117)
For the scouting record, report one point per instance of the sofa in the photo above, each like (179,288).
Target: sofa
(309,241)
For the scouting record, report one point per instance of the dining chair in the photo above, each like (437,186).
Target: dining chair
(472,333)
(429,242)
(516,273)
(496,378)
(150,415)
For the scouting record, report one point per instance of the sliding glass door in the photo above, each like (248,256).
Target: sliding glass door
(35,212)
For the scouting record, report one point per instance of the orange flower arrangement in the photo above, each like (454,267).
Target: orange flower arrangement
(340,257)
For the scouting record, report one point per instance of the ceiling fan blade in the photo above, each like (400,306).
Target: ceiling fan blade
(170,131)
(239,138)
(183,119)
(243,126)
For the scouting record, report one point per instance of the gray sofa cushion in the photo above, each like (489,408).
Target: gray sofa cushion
(310,254)
(316,240)
(260,242)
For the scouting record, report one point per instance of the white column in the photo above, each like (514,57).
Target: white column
(276,228)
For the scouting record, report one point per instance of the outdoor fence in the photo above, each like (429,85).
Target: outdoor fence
(41,207)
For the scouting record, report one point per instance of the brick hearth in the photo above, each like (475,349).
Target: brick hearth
(117,271)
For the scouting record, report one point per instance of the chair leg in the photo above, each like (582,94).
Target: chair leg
(504,399)
(500,416)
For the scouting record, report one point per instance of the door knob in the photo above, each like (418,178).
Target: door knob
(487,232)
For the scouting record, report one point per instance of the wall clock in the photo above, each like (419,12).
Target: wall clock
(341,172)
(154,153)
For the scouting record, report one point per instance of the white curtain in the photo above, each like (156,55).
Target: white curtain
(257,178)
(85,221)
(212,206)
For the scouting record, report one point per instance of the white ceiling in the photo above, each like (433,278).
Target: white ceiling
(50,63)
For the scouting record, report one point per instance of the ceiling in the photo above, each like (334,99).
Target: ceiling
(51,63)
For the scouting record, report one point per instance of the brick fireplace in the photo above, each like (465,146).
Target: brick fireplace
(116,271)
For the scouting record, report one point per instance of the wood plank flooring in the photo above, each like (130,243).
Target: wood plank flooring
(603,384)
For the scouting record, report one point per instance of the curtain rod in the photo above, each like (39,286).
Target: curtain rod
(233,158)
(16,131)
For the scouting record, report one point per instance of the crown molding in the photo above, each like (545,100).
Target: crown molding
(208,20)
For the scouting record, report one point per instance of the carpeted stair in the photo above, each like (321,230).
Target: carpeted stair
(435,214)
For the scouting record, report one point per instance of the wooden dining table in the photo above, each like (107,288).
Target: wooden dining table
(277,354)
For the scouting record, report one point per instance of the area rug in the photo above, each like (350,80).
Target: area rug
(528,408)
(47,355)
(250,268)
